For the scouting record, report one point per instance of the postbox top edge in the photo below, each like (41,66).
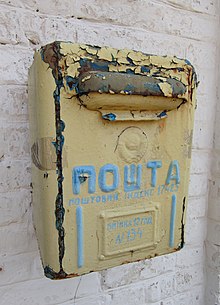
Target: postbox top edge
(63,48)
(73,59)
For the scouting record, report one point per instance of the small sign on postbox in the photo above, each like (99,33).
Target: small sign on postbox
(111,134)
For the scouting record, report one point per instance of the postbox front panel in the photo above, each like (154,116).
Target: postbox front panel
(111,148)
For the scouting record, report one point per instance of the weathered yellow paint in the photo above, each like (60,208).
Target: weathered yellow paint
(166,88)
(111,135)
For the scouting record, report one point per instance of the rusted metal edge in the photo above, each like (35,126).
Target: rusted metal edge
(50,54)
(183,224)
(51,274)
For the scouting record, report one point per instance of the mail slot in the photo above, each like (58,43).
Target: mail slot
(111,134)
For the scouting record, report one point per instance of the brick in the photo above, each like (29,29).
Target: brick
(153,291)
(15,207)
(203,135)
(15,64)
(158,266)
(185,24)
(213,256)
(3,148)
(132,295)
(17,139)
(21,267)
(197,51)
(215,168)
(33,29)
(97,300)
(8,36)
(89,284)
(217,134)
(207,83)
(13,104)
(190,256)
(214,185)
(168,301)
(14,175)
(160,288)
(201,113)
(213,287)
(214,210)
(49,7)
(203,6)
(197,207)
(195,296)
(195,231)
(189,277)
(17,238)
(213,231)
(121,275)
(122,37)
(39,292)
(200,162)
(198,185)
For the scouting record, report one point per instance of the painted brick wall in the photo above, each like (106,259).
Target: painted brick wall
(187,28)
(213,221)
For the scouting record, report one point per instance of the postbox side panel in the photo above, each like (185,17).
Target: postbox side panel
(44,177)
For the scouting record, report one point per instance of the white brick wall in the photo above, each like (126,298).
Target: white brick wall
(213,228)
(186,28)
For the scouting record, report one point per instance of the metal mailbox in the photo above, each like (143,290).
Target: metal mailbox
(111,145)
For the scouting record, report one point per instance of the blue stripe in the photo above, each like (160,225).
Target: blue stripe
(79,224)
(172,221)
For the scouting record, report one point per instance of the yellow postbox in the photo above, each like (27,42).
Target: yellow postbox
(111,134)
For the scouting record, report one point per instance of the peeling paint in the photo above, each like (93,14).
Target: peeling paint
(60,126)
(165,70)
(109,116)
(122,85)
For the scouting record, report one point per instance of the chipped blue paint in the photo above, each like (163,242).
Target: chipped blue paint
(152,89)
(100,66)
(188,62)
(163,114)
(177,87)
(83,62)
(129,89)
(130,61)
(42,54)
(172,220)
(104,88)
(145,69)
(109,117)
(79,174)
(80,237)
(130,71)
(179,69)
